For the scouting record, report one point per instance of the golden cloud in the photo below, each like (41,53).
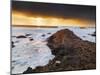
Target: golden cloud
(22,19)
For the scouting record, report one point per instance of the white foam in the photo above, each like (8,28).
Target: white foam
(85,33)
(36,53)
(31,54)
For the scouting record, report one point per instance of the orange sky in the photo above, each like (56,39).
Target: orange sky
(22,19)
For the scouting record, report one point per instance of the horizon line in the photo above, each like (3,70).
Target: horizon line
(41,26)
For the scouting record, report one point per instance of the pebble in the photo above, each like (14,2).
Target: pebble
(58,62)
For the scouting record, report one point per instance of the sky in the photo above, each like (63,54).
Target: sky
(52,14)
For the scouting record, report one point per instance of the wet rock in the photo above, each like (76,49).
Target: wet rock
(13,74)
(43,35)
(71,53)
(94,34)
(21,36)
(41,69)
(16,41)
(29,70)
(12,44)
(13,36)
(63,39)
(28,34)
(48,33)
(84,36)
(31,39)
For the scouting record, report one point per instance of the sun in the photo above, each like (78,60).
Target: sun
(39,21)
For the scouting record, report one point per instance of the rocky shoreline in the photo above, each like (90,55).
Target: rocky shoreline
(71,53)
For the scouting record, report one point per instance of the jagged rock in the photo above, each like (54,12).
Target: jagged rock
(21,36)
(72,52)
(43,35)
(29,70)
(13,36)
(94,34)
(28,34)
(63,39)
(17,41)
(84,36)
(48,33)
(31,39)
(12,44)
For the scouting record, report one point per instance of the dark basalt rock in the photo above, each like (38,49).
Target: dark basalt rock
(13,36)
(28,34)
(94,34)
(48,33)
(31,39)
(16,41)
(84,36)
(29,70)
(43,35)
(21,36)
(12,44)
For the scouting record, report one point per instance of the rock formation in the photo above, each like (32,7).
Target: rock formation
(72,52)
